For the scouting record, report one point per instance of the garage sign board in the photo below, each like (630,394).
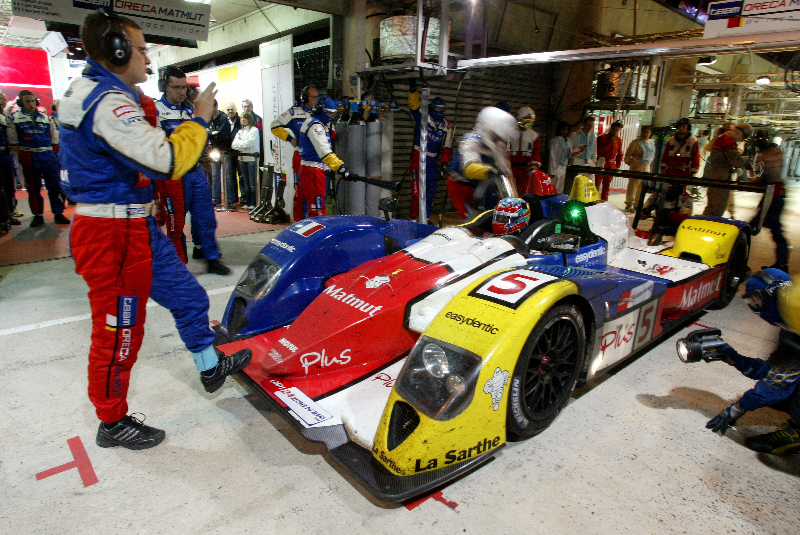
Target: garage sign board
(168,18)
(743,17)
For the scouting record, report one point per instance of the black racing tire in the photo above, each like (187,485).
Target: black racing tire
(546,371)
(735,272)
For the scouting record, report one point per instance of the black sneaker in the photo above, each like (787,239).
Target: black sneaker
(197,253)
(131,433)
(783,442)
(60,219)
(218,268)
(214,378)
(14,221)
(37,221)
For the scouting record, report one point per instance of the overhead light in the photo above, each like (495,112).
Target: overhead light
(764,80)
(707,60)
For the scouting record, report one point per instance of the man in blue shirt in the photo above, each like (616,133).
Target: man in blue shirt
(772,296)
(586,139)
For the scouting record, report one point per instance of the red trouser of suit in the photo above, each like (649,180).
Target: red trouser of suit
(460,195)
(125,261)
(171,197)
(603,184)
(311,190)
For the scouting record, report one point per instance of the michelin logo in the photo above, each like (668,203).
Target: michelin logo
(588,255)
(282,245)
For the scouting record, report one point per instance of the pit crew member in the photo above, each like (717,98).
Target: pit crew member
(35,139)
(481,155)
(118,249)
(586,140)
(526,149)
(772,295)
(723,159)
(191,192)
(440,143)
(609,149)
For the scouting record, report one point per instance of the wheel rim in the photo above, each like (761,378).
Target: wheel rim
(551,366)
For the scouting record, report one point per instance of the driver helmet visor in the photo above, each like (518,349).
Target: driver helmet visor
(440,107)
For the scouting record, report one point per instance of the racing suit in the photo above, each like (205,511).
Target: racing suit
(317,157)
(440,140)
(680,157)
(118,249)
(37,138)
(610,149)
(525,154)
(773,173)
(191,193)
(6,167)
(475,159)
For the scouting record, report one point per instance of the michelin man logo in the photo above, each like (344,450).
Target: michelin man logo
(494,386)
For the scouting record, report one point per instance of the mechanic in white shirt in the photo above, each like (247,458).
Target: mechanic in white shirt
(246,142)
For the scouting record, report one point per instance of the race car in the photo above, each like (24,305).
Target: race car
(417,366)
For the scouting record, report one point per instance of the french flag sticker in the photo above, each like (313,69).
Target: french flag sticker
(309,228)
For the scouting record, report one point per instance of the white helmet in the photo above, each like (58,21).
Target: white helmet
(495,122)
(526,117)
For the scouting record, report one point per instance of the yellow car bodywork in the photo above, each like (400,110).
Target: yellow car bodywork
(496,333)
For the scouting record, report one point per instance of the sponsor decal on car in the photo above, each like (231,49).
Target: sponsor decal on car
(634,296)
(472,322)
(661,269)
(452,456)
(303,407)
(377,281)
(288,345)
(322,360)
(516,404)
(307,228)
(495,386)
(282,245)
(386,460)
(350,299)
(700,292)
(511,288)
(588,255)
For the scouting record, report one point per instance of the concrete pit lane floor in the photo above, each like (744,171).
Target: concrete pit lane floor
(629,454)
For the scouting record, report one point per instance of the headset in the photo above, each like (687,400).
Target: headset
(162,82)
(116,43)
(304,93)
(19,97)
(173,72)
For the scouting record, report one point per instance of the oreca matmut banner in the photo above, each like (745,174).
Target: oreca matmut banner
(742,17)
(168,18)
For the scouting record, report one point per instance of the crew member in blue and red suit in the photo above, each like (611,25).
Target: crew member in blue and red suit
(107,145)
(191,193)
(440,143)
(305,127)
(35,139)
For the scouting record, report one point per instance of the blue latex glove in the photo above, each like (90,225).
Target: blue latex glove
(725,419)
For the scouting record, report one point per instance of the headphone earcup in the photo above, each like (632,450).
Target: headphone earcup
(162,85)
(116,47)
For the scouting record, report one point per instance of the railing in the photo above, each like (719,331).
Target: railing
(650,180)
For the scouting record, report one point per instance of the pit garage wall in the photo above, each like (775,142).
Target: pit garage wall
(26,68)
(519,86)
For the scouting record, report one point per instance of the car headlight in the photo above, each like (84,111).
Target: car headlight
(438,379)
(259,278)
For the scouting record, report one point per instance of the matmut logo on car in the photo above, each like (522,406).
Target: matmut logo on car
(307,228)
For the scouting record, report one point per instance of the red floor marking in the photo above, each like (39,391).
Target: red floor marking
(701,325)
(81,462)
(214,322)
(413,504)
